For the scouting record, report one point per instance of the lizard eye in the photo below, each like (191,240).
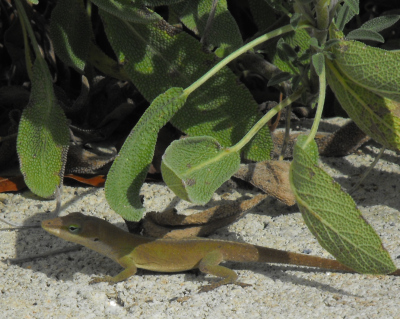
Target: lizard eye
(74,229)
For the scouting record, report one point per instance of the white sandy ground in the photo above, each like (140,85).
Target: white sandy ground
(57,286)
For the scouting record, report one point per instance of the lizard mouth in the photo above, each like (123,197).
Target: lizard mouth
(51,226)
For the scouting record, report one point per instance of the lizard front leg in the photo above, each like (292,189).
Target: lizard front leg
(126,273)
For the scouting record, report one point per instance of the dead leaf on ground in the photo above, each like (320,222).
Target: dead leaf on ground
(272,177)
(170,224)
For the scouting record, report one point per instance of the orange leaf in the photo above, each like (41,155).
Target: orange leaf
(11,184)
(97,181)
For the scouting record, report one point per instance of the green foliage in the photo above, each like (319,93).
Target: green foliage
(43,136)
(370,29)
(380,23)
(284,54)
(71,32)
(190,86)
(367,35)
(374,114)
(262,14)
(332,216)
(129,169)
(372,68)
(279,78)
(318,61)
(366,83)
(125,9)
(196,167)
(347,11)
(223,34)
(216,110)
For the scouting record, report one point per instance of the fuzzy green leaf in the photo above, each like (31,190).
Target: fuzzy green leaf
(299,40)
(157,56)
(377,116)
(330,43)
(155,3)
(71,32)
(279,78)
(373,68)
(195,167)
(130,168)
(332,216)
(295,20)
(348,10)
(366,83)
(224,33)
(318,61)
(128,10)
(262,13)
(43,136)
(380,23)
(366,35)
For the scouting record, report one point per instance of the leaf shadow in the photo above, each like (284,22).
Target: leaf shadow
(379,184)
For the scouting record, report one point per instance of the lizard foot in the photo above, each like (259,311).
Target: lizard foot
(95,280)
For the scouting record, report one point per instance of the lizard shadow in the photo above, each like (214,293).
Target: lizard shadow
(377,185)
(280,272)
(32,242)
(274,272)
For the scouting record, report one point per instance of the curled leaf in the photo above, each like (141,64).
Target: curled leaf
(195,167)
(129,169)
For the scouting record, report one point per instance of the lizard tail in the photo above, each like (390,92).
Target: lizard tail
(269,255)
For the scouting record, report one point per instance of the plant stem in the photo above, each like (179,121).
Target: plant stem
(209,23)
(27,25)
(28,61)
(253,131)
(320,106)
(238,52)
(89,8)
(322,13)
(287,133)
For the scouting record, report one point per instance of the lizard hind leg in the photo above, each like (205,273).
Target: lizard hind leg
(210,265)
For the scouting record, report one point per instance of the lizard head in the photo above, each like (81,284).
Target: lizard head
(74,227)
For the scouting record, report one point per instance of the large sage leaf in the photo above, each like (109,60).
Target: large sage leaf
(71,32)
(43,136)
(332,215)
(157,56)
(372,68)
(375,115)
(367,87)
(262,14)
(224,33)
(129,169)
(128,10)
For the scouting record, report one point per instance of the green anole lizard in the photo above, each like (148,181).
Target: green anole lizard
(172,255)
